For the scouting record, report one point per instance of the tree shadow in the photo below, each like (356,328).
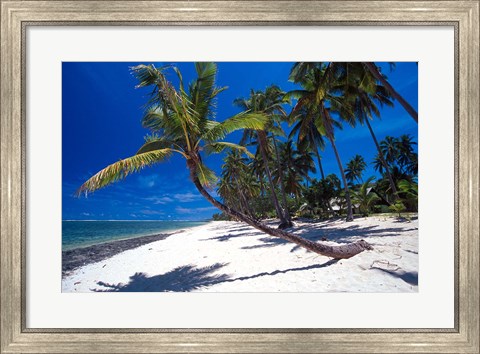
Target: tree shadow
(189,278)
(275,272)
(229,236)
(269,241)
(312,231)
(408,277)
(339,235)
(345,234)
(405,220)
(180,279)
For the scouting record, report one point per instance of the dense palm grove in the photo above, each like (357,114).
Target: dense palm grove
(269,173)
(279,180)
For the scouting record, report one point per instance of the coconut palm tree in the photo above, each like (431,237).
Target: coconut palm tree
(399,153)
(308,137)
(319,96)
(409,193)
(268,102)
(355,168)
(236,185)
(389,147)
(401,159)
(181,120)
(364,91)
(378,75)
(407,158)
(296,166)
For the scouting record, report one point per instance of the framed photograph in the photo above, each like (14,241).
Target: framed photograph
(318,190)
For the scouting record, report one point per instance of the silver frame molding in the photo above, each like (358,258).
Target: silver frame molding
(16,16)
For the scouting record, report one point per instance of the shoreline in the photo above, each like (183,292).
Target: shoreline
(229,256)
(83,256)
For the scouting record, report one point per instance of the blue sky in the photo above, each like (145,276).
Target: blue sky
(101,113)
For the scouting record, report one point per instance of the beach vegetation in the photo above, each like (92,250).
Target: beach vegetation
(270,172)
(355,168)
(365,197)
(270,103)
(398,207)
(319,102)
(182,122)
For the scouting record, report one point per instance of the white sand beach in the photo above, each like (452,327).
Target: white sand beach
(224,256)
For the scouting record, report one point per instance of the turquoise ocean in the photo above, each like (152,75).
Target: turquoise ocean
(76,234)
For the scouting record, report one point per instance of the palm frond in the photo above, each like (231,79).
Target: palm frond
(243,120)
(296,94)
(146,74)
(121,169)
(277,131)
(220,146)
(206,176)
(153,143)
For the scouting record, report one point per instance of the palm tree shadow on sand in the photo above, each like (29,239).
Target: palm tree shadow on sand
(180,279)
(189,278)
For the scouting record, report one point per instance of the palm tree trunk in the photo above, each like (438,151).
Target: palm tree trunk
(262,139)
(384,163)
(320,167)
(374,70)
(337,252)
(322,174)
(262,194)
(282,186)
(243,200)
(345,186)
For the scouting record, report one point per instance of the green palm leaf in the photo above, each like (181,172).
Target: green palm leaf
(244,120)
(205,175)
(220,146)
(121,169)
(146,74)
(155,143)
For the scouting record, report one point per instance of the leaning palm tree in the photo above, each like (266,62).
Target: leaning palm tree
(319,96)
(364,91)
(181,120)
(372,67)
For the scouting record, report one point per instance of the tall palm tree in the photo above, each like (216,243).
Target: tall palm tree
(378,75)
(181,122)
(319,95)
(407,158)
(296,165)
(355,168)
(389,148)
(400,157)
(363,90)
(308,137)
(236,185)
(268,102)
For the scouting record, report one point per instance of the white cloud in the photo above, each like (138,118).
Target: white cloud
(160,200)
(187,197)
(147,181)
(182,210)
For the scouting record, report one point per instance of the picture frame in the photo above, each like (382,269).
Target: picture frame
(17,15)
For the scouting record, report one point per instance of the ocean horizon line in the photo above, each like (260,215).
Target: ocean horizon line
(134,220)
